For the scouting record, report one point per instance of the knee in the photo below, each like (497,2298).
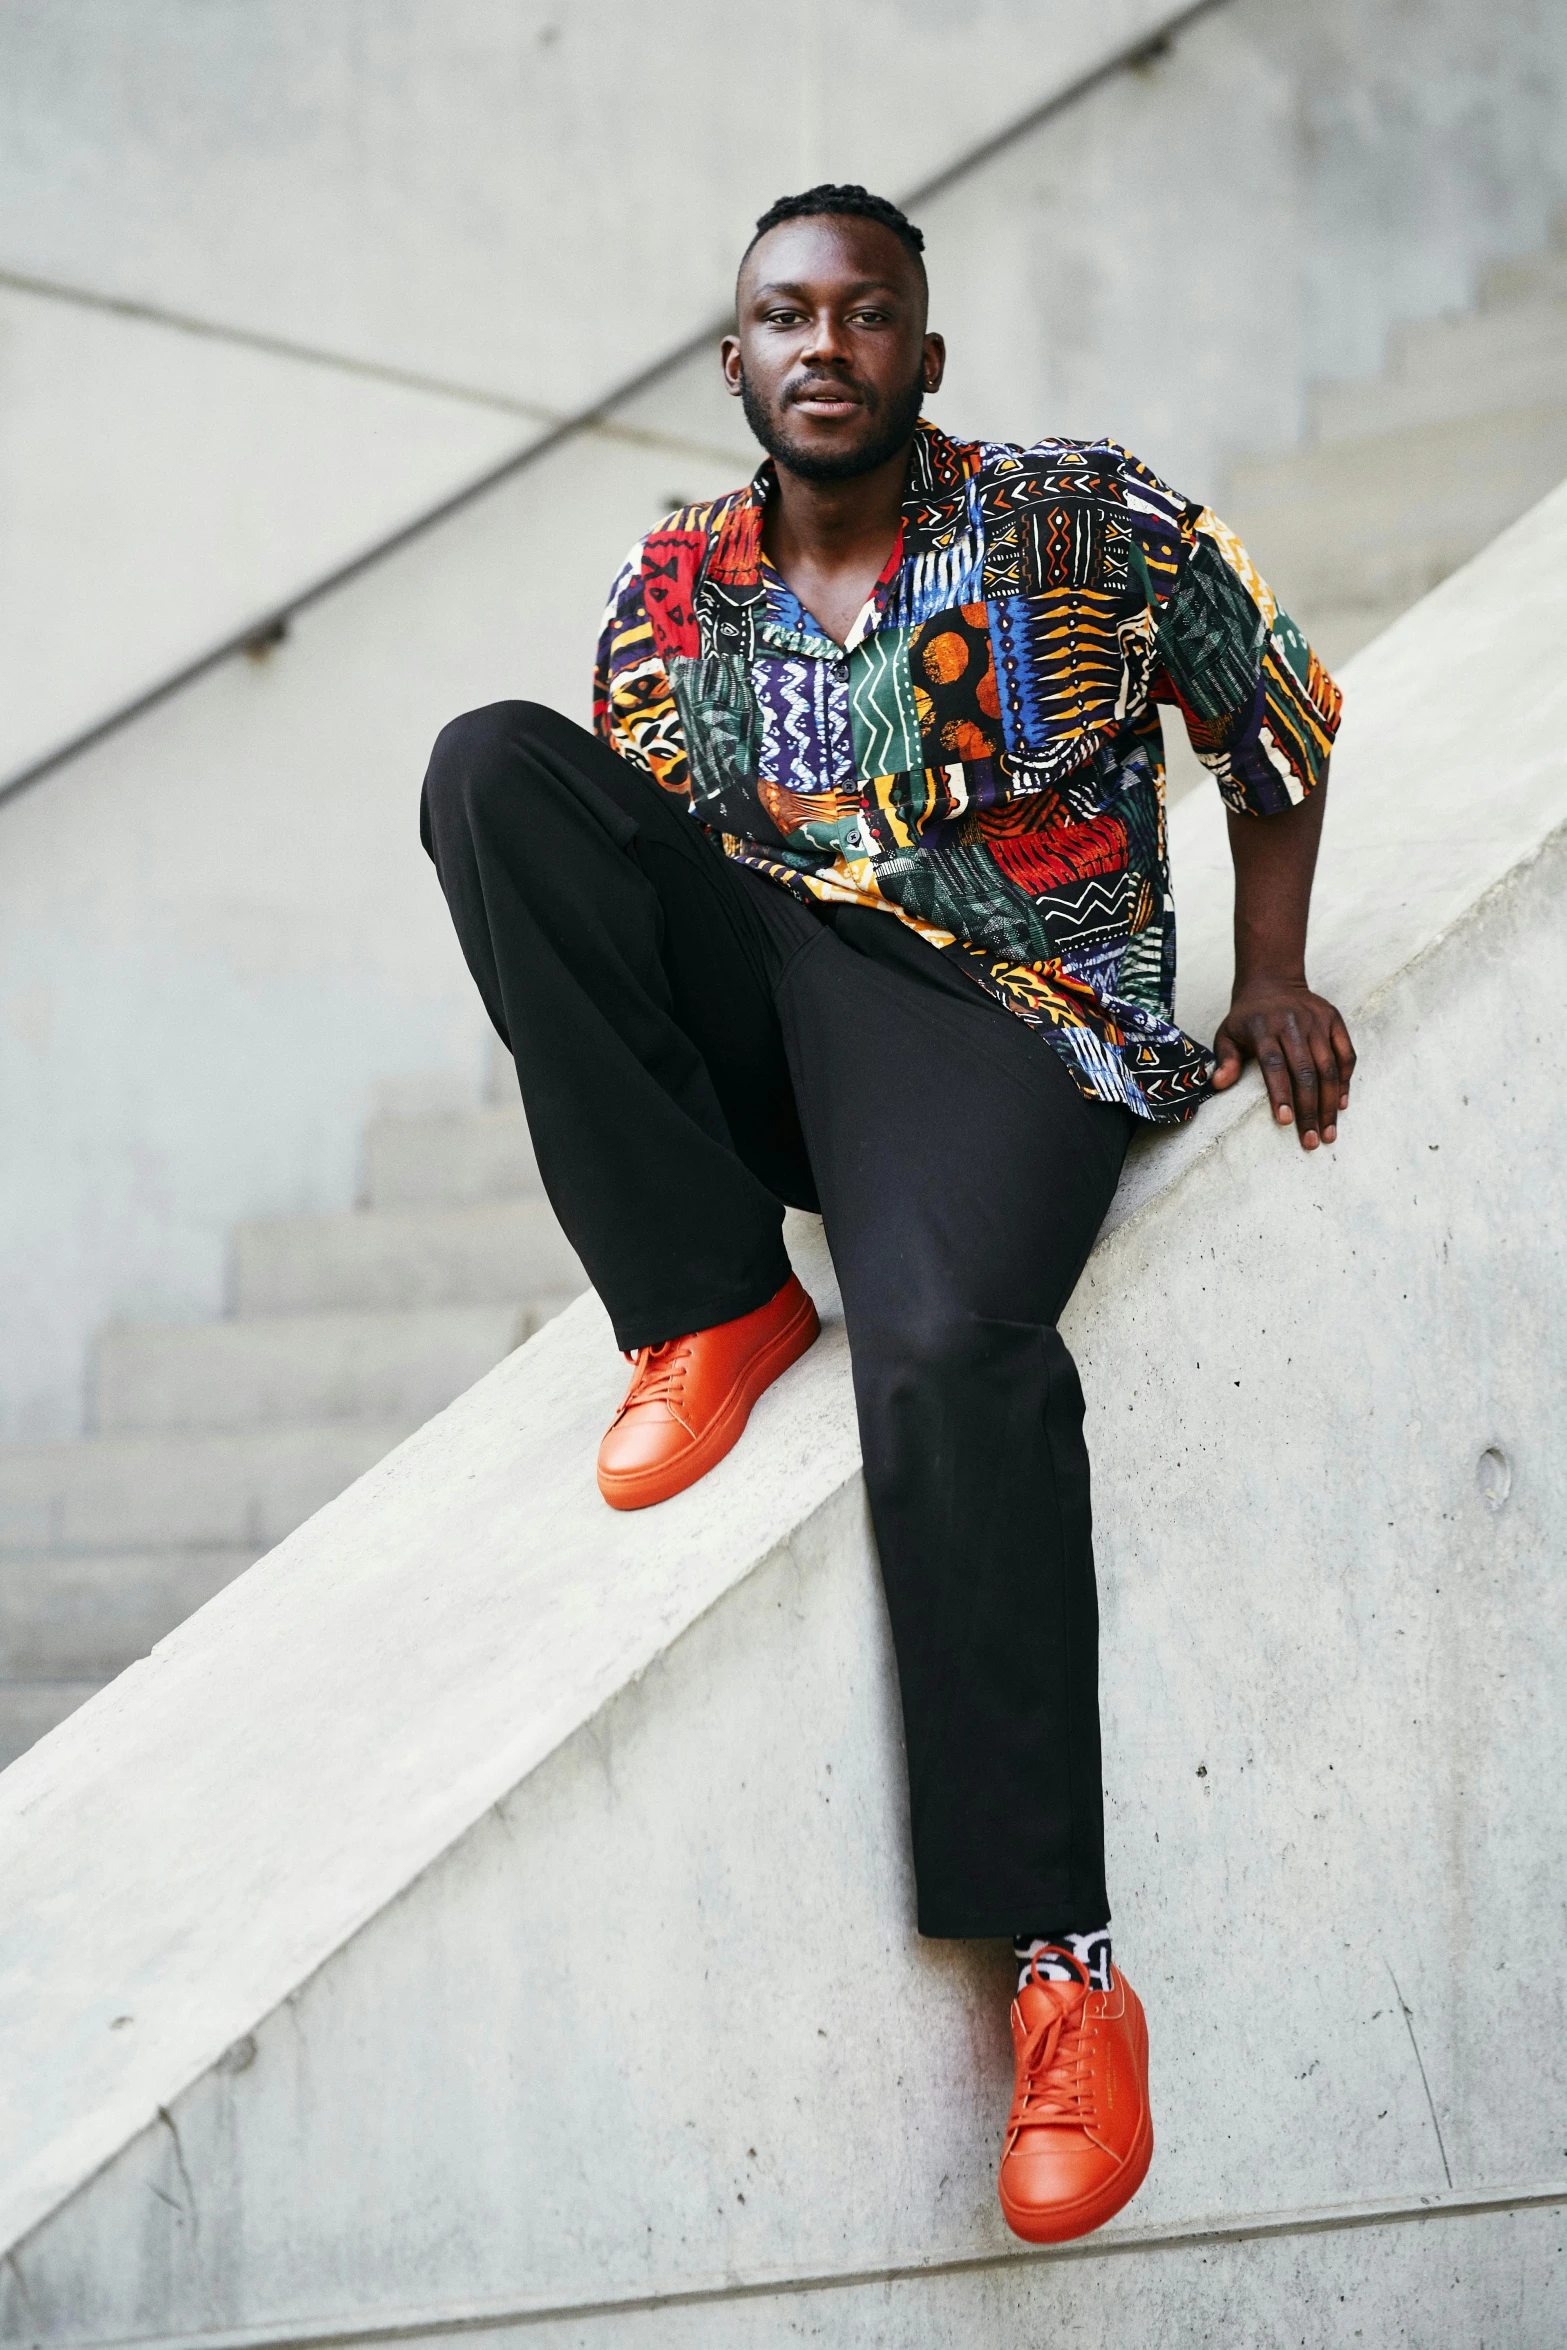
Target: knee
(919,1350)
(478,755)
(935,1353)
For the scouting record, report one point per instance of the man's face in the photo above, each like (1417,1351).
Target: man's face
(831,356)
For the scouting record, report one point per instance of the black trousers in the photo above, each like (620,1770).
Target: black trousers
(694,1048)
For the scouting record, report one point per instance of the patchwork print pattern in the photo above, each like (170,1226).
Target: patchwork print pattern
(983,757)
(801,745)
(883,712)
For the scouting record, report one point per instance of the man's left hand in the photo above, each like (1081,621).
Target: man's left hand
(1300,1043)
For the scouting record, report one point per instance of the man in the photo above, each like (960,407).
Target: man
(858,901)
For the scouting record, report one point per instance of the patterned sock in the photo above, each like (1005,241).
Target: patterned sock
(1092,1950)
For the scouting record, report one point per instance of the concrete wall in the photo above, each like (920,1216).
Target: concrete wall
(163,488)
(218,938)
(484,214)
(221,943)
(1184,256)
(524,196)
(491,1911)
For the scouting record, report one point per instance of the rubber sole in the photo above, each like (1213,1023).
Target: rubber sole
(1064,2223)
(725,1429)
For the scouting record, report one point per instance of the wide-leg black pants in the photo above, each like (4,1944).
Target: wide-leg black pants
(695,1047)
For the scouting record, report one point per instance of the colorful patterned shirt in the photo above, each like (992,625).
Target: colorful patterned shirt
(983,758)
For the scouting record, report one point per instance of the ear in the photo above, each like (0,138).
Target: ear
(935,361)
(729,361)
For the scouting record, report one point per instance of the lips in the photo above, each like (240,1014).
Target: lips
(826,400)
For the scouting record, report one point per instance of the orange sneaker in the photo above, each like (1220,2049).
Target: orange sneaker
(690,1398)
(1080,2135)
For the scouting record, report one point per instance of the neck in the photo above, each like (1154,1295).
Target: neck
(826,524)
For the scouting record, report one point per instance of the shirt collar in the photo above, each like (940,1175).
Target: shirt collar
(935,464)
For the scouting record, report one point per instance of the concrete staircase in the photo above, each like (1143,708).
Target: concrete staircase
(210,1444)
(1406,477)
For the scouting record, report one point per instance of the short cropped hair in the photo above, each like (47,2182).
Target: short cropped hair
(849,198)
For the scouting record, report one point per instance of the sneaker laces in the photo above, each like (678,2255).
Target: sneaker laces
(1049,2085)
(658,1369)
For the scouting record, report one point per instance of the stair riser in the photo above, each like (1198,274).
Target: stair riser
(476,1256)
(1359,412)
(450,1162)
(1431,463)
(1338,631)
(1488,338)
(302,1367)
(123,1493)
(1512,282)
(84,1619)
(1382,521)
(1378,569)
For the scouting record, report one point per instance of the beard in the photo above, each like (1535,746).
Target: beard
(892,427)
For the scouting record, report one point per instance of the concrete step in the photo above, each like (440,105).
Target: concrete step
(1518,332)
(450,1161)
(29,1708)
(83,1616)
(1542,279)
(275,1368)
(120,1494)
(488,1254)
(1337,631)
(1382,520)
(1478,367)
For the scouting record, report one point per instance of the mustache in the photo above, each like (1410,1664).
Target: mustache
(842,387)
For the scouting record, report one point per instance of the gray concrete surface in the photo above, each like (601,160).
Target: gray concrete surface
(384,1951)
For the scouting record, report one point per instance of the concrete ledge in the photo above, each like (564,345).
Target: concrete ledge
(399,1948)
(726,2299)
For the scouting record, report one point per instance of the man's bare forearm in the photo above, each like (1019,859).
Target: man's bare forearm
(1275,858)
(1298,1039)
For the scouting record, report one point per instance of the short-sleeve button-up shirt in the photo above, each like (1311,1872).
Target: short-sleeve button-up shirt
(982,759)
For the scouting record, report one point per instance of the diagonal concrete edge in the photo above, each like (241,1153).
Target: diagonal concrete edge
(191,1847)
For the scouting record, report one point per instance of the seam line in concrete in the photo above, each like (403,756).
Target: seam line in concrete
(218,330)
(329,2333)
(343,362)
(269,628)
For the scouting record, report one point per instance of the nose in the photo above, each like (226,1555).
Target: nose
(826,345)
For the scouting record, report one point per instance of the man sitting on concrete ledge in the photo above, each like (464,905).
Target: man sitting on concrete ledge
(911,966)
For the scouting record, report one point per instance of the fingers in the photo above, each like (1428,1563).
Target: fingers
(1304,1051)
(1305,1056)
(1330,1092)
(1276,1075)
